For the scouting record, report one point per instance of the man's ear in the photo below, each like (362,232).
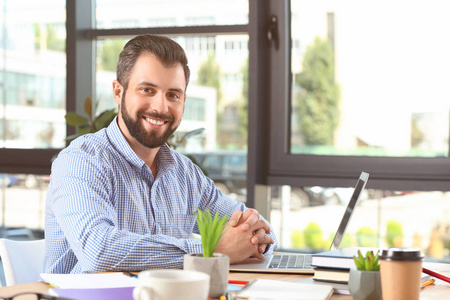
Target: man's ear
(117,91)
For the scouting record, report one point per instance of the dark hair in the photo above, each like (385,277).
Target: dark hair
(167,51)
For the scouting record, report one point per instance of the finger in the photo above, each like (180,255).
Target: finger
(258,255)
(258,236)
(235,218)
(261,224)
(251,216)
(267,239)
(262,248)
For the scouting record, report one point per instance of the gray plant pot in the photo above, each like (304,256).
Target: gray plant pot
(365,285)
(217,267)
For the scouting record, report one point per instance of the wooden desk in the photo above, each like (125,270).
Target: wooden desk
(440,290)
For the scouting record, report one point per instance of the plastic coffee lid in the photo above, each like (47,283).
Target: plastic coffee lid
(401,254)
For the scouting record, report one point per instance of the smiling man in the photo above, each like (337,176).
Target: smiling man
(121,199)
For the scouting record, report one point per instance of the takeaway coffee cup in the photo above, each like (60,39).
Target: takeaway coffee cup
(172,284)
(401,270)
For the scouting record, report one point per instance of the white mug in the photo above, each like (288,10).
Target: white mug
(172,284)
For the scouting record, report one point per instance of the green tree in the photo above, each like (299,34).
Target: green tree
(37,35)
(109,54)
(394,233)
(366,237)
(313,236)
(209,75)
(54,42)
(48,38)
(319,96)
(417,135)
(297,239)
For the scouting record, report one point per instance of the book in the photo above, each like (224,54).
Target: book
(284,290)
(333,275)
(338,259)
(104,286)
(119,293)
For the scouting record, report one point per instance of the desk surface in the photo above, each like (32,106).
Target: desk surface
(440,290)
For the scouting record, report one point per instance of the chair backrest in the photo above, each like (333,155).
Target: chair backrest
(22,261)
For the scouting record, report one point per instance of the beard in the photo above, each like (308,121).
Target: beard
(153,139)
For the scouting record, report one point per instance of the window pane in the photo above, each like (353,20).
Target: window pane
(370,79)
(381,219)
(170,13)
(32,74)
(22,198)
(214,125)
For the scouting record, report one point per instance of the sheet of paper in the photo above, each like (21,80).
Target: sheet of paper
(83,281)
(282,290)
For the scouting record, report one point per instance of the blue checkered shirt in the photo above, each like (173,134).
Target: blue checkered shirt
(106,212)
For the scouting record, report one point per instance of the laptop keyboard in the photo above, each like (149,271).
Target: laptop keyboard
(290,261)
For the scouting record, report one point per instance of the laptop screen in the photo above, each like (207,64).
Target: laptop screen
(360,184)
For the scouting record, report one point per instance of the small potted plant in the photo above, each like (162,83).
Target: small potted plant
(217,265)
(365,281)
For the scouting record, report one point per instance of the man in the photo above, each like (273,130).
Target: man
(120,199)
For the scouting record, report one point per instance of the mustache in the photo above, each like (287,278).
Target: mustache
(155,115)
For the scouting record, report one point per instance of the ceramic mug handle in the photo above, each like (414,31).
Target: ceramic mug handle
(137,293)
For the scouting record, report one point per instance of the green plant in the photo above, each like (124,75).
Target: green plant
(211,229)
(368,263)
(90,124)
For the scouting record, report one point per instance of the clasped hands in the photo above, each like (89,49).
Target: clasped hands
(245,237)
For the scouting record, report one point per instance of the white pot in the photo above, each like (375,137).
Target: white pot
(365,285)
(217,267)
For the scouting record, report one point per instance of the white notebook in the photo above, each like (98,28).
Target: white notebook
(284,290)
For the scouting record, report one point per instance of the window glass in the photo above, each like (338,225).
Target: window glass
(215,117)
(33,74)
(382,218)
(22,198)
(155,13)
(369,79)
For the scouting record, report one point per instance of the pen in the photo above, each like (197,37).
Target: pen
(427,283)
(437,275)
(129,274)
(238,282)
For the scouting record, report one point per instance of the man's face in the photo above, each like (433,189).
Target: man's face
(152,106)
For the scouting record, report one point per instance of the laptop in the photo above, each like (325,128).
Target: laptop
(301,263)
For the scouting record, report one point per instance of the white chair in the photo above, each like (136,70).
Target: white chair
(22,261)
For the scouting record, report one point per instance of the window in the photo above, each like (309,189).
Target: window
(372,113)
(379,92)
(347,98)
(32,65)
(32,108)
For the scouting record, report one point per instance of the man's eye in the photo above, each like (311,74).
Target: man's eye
(174,96)
(146,90)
